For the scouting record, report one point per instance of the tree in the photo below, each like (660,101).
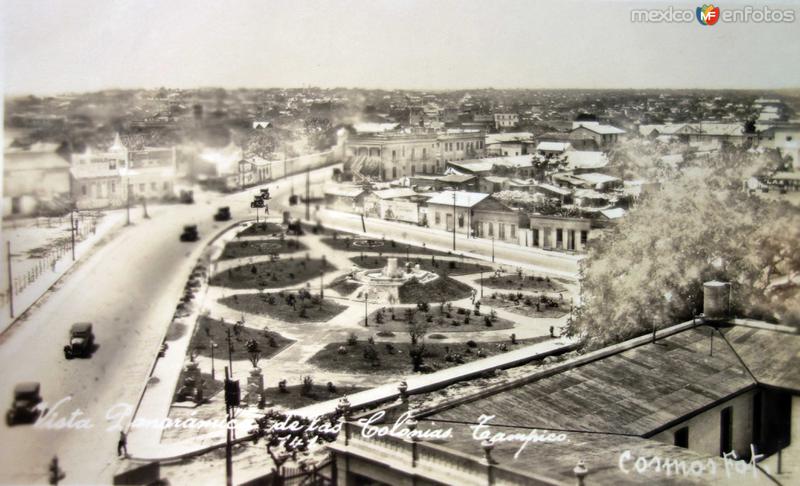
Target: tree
(295,442)
(648,271)
(253,352)
(417,328)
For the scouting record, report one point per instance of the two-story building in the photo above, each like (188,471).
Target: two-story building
(392,154)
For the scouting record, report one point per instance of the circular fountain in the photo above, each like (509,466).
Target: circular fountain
(383,285)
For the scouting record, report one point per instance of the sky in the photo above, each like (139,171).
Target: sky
(54,46)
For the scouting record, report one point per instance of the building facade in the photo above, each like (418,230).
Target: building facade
(390,155)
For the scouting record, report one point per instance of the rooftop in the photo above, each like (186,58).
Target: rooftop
(463,199)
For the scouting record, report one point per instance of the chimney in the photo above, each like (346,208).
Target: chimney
(716,300)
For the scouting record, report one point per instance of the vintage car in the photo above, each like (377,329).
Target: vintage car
(190,233)
(187,197)
(24,407)
(223,214)
(81,341)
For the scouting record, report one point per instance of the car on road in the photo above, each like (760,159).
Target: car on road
(223,214)
(187,197)
(24,407)
(190,233)
(81,341)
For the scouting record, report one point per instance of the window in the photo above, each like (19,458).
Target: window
(153,186)
(726,430)
(584,237)
(491,230)
(394,172)
(461,220)
(141,187)
(166,184)
(513,231)
(83,189)
(438,218)
(501,231)
(559,238)
(535,234)
(682,437)
(424,154)
(571,240)
(113,187)
(394,155)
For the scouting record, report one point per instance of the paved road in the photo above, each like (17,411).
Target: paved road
(128,288)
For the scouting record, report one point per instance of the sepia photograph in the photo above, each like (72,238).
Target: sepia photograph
(400,242)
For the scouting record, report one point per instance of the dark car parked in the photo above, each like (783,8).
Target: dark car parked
(223,214)
(81,341)
(190,233)
(24,405)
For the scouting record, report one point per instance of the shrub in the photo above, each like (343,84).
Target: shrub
(371,355)
(390,348)
(472,344)
(437,336)
(352,339)
(513,338)
(331,387)
(282,386)
(385,334)
(487,321)
(341,350)
(371,341)
(466,319)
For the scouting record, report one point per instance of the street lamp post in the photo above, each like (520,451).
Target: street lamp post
(213,345)
(492,247)
(454,220)
(73,228)
(481,284)
(366,316)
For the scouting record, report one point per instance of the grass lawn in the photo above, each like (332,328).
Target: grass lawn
(443,289)
(213,330)
(240,249)
(527,305)
(210,387)
(526,282)
(439,266)
(395,359)
(269,275)
(357,244)
(439,320)
(275,305)
(293,397)
(175,331)
(343,286)
(262,229)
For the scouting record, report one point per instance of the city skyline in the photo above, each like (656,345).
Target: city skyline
(387,45)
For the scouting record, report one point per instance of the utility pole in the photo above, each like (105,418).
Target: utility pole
(308,196)
(492,247)
(73,227)
(228,444)
(10,280)
(230,351)
(128,205)
(366,316)
(454,220)
(481,284)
